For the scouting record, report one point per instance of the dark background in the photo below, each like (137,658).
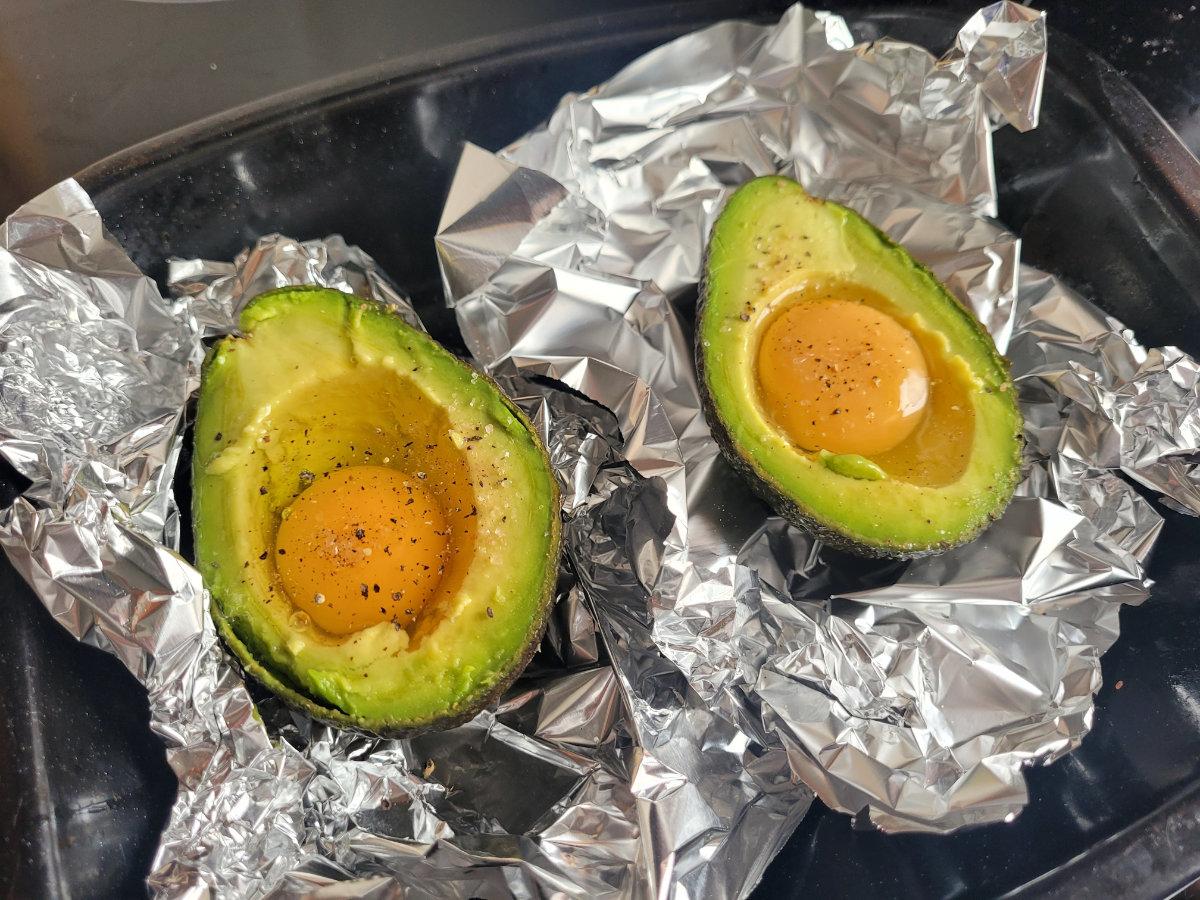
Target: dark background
(80,79)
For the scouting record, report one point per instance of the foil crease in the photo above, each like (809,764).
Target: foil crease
(708,667)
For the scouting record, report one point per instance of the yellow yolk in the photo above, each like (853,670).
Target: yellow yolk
(842,376)
(362,545)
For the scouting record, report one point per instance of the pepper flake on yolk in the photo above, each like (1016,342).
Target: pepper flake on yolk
(842,376)
(362,545)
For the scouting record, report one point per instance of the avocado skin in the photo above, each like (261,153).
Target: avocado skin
(786,506)
(299,699)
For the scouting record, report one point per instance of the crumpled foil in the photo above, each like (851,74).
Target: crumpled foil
(218,291)
(707,664)
(97,368)
(913,692)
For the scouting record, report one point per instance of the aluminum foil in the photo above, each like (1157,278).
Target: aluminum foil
(707,665)
(97,371)
(217,291)
(913,692)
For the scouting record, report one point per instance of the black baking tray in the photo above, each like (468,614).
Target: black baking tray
(1102,193)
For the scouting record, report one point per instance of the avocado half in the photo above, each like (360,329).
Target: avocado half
(775,245)
(318,381)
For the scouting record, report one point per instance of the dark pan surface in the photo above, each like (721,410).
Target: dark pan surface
(1102,193)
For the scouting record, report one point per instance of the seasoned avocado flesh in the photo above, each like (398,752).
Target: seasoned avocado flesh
(320,385)
(777,252)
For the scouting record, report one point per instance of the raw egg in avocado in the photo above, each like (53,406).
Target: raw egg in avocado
(377,523)
(849,387)
(360,546)
(840,375)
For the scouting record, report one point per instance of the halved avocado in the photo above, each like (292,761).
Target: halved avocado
(424,515)
(903,465)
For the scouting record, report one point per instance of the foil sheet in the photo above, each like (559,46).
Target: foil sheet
(97,371)
(915,693)
(708,667)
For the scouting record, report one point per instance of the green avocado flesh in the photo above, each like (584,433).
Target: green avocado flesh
(775,251)
(317,385)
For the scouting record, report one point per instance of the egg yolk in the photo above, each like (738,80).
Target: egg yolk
(842,376)
(362,545)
